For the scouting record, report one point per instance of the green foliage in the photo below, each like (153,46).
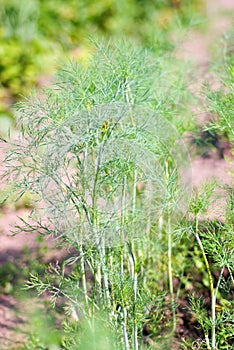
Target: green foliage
(14,271)
(216,244)
(201,200)
(36,35)
(93,333)
(100,152)
(45,336)
(100,159)
(221,101)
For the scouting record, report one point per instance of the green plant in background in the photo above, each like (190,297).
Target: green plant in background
(216,137)
(221,101)
(216,239)
(216,244)
(106,170)
(32,41)
(222,104)
(214,314)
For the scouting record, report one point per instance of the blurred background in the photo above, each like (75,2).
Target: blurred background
(36,35)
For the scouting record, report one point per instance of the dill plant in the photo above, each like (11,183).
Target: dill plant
(221,100)
(105,171)
(215,241)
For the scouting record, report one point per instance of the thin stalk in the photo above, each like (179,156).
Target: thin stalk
(96,284)
(129,101)
(231,275)
(160,226)
(123,210)
(207,341)
(95,219)
(170,274)
(96,175)
(124,328)
(146,240)
(135,328)
(169,256)
(160,237)
(121,257)
(122,266)
(219,281)
(112,295)
(83,275)
(133,267)
(104,273)
(98,276)
(132,260)
(122,222)
(82,260)
(134,191)
(122,234)
(212,290)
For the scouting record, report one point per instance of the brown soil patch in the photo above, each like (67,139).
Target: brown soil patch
(11,321)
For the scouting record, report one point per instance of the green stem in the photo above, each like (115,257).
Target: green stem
(94,194)
(170,274)
(129,101)
(105,274)
(123,210)
(124,328)
(112,293)
(122,222)
(132,260)
(135,328)
(83,275)
(211,284)
(230,272)
(98,274)
(207,341)
(219,281)
(160,227)
(134,191)
(169,253)
(133,268)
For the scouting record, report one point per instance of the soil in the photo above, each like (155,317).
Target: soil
(10,322)
(196,49)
